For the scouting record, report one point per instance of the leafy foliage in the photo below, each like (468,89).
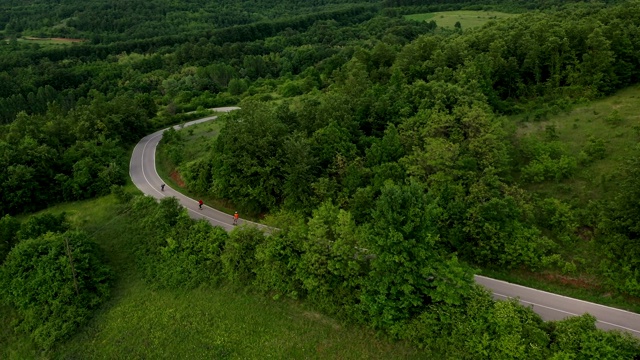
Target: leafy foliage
(55,282)
(9,228)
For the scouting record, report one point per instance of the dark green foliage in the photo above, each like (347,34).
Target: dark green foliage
(9,227)
(545,160)
(333,261)
(38,225)
(506,331)
(58,156)
(401,283)
(409,270)
(197,174)
(620,230)
(578,338)
(177,251)
(248,156)
(190,256)
(55,282)
(595,149)
(239,255)
(389,138)
(278,257)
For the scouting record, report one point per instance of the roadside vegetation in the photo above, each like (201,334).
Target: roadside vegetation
(139,320)
(397,158)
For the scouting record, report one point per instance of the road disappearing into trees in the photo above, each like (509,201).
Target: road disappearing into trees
(144,175)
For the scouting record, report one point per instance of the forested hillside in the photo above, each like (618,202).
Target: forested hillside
(388,151)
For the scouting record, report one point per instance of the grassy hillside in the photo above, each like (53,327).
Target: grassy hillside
(614,123)
(615,120)
(221,323)
(467,18)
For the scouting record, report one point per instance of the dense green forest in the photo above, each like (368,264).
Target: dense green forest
(386,150)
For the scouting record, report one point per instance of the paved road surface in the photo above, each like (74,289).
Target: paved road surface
(550,306)
(556,307)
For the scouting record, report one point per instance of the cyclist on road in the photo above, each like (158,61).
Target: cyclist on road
(235,218)
(200,204)
(162,187)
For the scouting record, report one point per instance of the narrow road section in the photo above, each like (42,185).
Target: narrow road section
(549,306)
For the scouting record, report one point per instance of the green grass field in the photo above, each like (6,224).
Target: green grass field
(467,18)
(48,42)
(205,323)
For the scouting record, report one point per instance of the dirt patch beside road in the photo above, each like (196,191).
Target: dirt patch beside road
(175,176)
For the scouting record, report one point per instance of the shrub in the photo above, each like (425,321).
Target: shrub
(41,224)
(239,256)
(578,338)
(277,259)
(197,174)
(54,282)
(479,329)
(614,119)
(595,148)
(546,168)
(190,257)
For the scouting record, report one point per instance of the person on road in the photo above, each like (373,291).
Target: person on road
(200,204)
(235,218)
(162,187)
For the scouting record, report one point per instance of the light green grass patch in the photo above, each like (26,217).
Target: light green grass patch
(49,41)
(199,138)
(221,324)
(467,18)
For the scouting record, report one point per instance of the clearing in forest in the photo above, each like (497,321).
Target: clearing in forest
(48,41)
(612,123)
(467,18)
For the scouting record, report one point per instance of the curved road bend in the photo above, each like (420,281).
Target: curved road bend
(142,170)
(550,306)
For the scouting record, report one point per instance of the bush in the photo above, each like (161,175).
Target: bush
(277,259)
(38,225)
(614,119)
(480,329)
(190,256)
(54,282)
(546,168)
(595,148)
(239,256)
(557,216)
(197,174)
(578,338)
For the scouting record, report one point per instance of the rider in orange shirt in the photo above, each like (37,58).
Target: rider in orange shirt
(235,218)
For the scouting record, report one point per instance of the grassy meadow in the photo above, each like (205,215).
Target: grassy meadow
(467,18)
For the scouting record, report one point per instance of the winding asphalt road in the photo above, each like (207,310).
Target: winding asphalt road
(550,306)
